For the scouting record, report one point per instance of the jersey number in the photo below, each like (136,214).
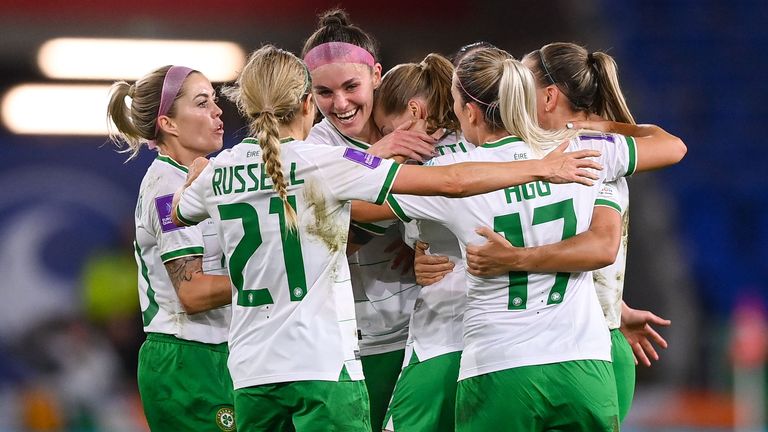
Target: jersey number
(511,227)
(294,262)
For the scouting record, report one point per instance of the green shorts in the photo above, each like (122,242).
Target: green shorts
(381,372)
(303,406)
(425,395)
(623,370)
(568,396)
(185,385)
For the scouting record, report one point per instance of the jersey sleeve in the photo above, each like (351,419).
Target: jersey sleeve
(191,209)
(608,196)
(434,208)
(173,241)
(620,158)
(353,174)
(618,153)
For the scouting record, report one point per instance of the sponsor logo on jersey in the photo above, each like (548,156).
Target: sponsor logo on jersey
(225,419)
(163,205)
(365,159)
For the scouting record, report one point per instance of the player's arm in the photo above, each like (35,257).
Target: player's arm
(194,171)
(593,249)
(656,148)
(197,291)
(473,178)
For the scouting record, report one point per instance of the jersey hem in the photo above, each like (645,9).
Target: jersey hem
(294,377)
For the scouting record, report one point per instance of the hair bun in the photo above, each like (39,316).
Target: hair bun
(334,17)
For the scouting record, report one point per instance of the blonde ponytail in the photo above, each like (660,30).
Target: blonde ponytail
(269,140)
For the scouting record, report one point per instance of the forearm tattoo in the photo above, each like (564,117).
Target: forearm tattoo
(183,269)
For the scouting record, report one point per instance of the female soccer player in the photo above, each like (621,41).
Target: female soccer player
(573,86)
(281,207)
(524,331)
(183,287)
(425,393)
(342,61)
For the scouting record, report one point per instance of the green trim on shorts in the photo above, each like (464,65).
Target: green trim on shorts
(575,395)
(185,385)
(381,372)
(303,406)
(623,362)
(424,399)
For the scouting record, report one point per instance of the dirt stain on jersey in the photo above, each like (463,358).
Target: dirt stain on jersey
(324,227)
(625,229)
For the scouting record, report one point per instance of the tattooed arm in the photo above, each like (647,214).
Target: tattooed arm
(197,291)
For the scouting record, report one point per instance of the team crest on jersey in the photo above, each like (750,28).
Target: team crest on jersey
(365,159)
(225,419)
(163,206)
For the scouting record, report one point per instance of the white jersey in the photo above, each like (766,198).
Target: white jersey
(609,280)
(523,319)
(293,316)
(436,325)
(159,241)
(384,297)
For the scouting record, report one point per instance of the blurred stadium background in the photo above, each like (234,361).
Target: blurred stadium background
(69,323)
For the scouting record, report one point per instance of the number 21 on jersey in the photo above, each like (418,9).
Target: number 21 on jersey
(247,246)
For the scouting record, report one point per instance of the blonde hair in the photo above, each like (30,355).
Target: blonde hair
(431,80)
(270,91)
(495,81)
(590,81)
(136,123)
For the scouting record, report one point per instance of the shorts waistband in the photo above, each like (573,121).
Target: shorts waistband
(162,337)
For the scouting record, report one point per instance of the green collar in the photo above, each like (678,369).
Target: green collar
(501,142)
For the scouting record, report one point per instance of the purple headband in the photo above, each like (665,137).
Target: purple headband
(172,83)
(337,52)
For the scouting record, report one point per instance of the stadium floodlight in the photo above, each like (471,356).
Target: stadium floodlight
(130,59)
(56,109)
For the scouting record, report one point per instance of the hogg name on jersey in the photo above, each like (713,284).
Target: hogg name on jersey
(244,178)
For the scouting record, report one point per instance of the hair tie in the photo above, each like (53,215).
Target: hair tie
(590,58)
(458,80)
(131,90)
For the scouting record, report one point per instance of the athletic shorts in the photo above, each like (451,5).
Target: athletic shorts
(569,396)
(185,385)
(381,372)
(623,370)
(424,399)
(303,406)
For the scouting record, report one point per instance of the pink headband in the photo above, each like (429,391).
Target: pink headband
(337,52)
(172,83)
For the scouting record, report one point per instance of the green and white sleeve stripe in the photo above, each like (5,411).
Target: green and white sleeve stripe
(602,202)
(387,186)
(632,147)
(397,210)
(190,251)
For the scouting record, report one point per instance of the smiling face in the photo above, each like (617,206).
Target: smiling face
(197,118)
(344,94)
